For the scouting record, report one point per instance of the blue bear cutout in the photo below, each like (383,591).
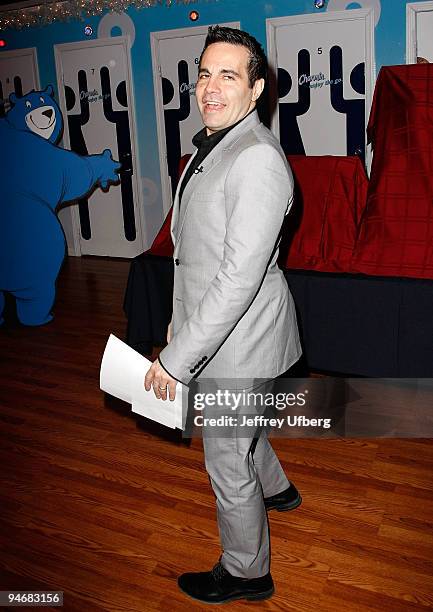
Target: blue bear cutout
(37,176)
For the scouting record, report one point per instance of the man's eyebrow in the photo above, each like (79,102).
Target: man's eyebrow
(229,71)
(222,71)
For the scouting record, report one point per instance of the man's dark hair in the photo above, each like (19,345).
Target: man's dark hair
(257,63)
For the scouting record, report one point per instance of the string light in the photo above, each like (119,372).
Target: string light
(44,14)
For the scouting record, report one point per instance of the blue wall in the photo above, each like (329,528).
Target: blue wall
(389,36)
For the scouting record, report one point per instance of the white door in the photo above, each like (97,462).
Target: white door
(98,108)
(18,74)
(419,32)
(175,57)
(324,81)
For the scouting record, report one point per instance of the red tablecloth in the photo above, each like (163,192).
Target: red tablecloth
(163,245)
(321,229)
(396,231)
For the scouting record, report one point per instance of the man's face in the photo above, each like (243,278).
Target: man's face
(223,92)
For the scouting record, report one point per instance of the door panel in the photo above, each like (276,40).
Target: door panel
(96,97)
(18,74)
(424,35)
(321,83)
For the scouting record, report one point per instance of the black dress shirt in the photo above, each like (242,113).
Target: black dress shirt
(204,144)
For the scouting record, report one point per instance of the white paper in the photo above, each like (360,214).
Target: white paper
(117,368)
(122,375)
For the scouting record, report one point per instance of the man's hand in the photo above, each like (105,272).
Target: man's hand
(169,333)
(158,378)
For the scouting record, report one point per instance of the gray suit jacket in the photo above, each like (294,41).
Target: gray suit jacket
(233,315)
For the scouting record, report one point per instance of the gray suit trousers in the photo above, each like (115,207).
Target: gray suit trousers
(243,468)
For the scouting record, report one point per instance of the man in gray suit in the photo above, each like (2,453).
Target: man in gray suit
(233,315)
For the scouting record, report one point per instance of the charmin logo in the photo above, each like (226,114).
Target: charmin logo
(93,96)
(317,80)
(187,87)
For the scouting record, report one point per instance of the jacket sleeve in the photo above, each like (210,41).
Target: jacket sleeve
(258,192)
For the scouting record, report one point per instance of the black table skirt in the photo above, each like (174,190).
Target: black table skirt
(148,301)
(350,324)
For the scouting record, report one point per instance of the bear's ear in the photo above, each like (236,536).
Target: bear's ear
(13,98)
(49,90)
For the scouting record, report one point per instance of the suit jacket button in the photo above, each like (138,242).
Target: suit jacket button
(176,261)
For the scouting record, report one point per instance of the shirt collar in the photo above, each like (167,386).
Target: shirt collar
(201,139)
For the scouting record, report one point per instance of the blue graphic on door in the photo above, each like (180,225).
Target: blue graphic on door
(305,83)
(104,95)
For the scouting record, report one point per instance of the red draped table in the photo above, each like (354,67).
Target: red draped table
(396,233)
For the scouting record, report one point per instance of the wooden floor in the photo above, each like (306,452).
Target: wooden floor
(110,510)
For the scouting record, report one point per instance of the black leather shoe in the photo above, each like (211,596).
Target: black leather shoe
(286,500)
(219,586)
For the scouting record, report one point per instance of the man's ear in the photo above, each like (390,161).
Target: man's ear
(257,89)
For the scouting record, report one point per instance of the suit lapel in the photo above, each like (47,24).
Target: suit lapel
(199,180)
(195,181)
